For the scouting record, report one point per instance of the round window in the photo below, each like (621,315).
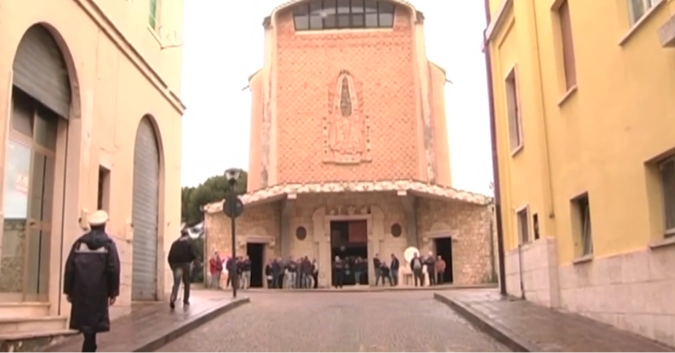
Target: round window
(396,230)
(301,233)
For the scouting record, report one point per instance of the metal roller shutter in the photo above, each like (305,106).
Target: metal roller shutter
(145,213)
(40,71)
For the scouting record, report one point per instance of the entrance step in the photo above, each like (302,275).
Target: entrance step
(23,310)
(18,325)
(41,341)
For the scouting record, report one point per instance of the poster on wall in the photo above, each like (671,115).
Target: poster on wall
(21,183)
(17,181)
(358,232)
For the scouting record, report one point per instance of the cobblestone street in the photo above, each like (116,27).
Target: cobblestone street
(330,322)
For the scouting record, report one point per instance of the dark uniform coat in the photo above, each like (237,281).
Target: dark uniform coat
(92,276)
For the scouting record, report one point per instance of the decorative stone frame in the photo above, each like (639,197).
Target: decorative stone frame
(269,240)
(321,236)
(430,236)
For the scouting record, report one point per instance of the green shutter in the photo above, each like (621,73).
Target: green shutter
(152,20)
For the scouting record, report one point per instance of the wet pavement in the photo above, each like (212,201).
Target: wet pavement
(540,329)
(151,324)
(403,321)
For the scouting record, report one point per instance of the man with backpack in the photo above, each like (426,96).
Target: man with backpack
(181,255)
(92,280)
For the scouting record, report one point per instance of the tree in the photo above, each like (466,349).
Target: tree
(213,189)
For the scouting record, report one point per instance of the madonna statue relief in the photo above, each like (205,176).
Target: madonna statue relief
(346,129)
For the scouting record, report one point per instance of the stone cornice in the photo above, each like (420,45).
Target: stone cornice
(104,22)
(498,20)
(400,186)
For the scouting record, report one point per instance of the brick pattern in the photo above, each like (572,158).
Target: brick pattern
(470,226)
(308,65)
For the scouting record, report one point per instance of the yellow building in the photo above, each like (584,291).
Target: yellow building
(585,123)
(91,117)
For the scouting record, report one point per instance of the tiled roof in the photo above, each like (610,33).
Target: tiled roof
(415,187)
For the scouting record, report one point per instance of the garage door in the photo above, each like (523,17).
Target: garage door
(145,213)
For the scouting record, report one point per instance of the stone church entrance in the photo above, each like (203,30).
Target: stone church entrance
(349,241)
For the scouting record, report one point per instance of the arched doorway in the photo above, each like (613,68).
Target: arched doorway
(41,101)
(145,213)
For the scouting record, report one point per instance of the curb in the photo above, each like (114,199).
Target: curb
(495,330)
(368,289)
(180,330)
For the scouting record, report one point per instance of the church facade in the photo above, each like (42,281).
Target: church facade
(349,149)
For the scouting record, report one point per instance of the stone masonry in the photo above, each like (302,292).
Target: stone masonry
(274,223)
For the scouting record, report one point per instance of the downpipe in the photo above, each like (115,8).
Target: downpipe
(520,271)
(495,159)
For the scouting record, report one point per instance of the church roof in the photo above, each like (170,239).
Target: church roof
(400,186)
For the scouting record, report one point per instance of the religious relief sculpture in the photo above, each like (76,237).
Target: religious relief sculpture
(346,129)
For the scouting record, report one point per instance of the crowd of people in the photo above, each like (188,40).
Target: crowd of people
(303,272)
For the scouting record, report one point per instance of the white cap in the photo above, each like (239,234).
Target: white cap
(98,218)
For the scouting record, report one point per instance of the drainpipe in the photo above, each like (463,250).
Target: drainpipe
(63,224)
(495,160)
(520,271)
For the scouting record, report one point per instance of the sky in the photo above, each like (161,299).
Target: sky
(220,52)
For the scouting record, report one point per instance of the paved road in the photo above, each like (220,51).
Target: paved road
(332,322)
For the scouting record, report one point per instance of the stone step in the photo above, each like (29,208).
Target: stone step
(18,325)
(40,341)
(23,310)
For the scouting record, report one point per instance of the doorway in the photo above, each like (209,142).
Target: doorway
(444,250)
(349,241)
(256,253)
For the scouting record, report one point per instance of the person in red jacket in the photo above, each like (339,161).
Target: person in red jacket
(215,268)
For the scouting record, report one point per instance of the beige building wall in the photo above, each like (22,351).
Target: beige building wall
(119,73)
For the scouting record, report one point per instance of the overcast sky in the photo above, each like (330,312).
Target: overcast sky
(224,45)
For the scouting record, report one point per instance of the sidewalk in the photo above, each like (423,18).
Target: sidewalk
(152,325)
(526,327)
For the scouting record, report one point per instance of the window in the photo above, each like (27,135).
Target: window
(343,14)
(638,8)
(584,232)
(535,226)
(523,226)
(667,171)
(103,202)
(569,63)
(153,14)
(512,105)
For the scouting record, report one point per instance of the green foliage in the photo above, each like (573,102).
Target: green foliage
(213,189)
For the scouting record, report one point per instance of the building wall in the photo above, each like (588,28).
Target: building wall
(602,137)
(113,89)
(468,224)
(291,94)
(132,19)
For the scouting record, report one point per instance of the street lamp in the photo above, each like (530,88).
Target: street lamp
(233,208)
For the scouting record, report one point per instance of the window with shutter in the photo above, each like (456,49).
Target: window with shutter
(513,112)
(569,62)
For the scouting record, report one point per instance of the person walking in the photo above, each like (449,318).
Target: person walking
(180,258)
(92,281)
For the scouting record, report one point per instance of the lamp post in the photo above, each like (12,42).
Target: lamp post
(233,208)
